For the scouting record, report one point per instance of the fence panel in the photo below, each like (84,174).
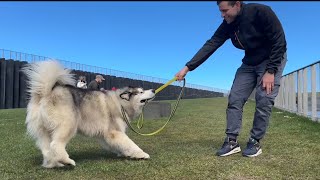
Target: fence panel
(13,82)
(298,92)
(3,64)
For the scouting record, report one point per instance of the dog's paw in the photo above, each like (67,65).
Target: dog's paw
(52,165)
(47,165)
(140,155)
(68,162)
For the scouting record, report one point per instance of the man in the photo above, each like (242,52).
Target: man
(95,84)
(255,29)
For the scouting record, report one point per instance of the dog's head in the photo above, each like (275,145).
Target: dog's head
(137,96)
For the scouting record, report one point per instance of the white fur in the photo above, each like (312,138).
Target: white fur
(54,116)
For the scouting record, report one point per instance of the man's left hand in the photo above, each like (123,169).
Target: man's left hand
(268,82)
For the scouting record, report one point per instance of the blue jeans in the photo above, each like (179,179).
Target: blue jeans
(246,79)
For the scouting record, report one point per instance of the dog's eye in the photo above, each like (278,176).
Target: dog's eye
(141,92)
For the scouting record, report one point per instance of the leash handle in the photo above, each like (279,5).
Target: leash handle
(165,85)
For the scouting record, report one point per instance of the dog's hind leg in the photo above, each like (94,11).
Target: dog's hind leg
(37,130)
(119,141)
(61,135)
(43,142)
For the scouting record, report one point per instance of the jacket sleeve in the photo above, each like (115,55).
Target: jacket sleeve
(211,45)
(274,32)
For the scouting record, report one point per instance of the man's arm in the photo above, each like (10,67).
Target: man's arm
(211,45)
(274,32)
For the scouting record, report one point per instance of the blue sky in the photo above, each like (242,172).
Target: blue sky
(148,38)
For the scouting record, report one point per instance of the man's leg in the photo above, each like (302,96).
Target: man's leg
(264,104)
(243,85)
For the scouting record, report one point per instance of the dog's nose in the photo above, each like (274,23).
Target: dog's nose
(153,91)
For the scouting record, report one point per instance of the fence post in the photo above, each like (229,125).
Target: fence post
(300,92)
(313,93)
(305,92)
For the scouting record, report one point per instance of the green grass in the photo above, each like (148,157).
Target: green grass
(183,150)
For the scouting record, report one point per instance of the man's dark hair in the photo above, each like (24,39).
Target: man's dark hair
(230,3)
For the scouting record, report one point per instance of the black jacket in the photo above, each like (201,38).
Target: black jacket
(94,85)
(260,34)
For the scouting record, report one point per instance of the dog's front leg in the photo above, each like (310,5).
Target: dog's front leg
(122,143)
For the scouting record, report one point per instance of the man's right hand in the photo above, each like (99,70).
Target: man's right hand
(182,73)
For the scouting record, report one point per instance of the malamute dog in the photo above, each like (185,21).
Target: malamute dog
(57,110)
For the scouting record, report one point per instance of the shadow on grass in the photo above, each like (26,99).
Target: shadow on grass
(85,156)
(98,155)
(93,155)
(81,156)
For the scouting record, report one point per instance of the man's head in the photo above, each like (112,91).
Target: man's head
(99,78)
(229,10)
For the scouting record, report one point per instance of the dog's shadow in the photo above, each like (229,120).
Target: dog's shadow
(93,155)
(82,157)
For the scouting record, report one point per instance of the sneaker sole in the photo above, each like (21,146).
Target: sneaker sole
(235,150)
(254,155)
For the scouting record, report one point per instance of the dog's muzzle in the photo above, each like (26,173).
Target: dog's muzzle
(146,100)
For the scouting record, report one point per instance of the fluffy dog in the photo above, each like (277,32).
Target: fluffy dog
(57,110)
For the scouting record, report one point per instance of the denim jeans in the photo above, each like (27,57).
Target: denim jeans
(246,79)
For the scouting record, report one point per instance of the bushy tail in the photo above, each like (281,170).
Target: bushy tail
(43,75)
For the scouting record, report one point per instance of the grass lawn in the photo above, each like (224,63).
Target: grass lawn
(185,149)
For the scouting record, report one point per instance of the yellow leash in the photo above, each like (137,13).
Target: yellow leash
(166,84)
(140,121)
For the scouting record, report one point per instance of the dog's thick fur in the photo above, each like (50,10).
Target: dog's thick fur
(57,110)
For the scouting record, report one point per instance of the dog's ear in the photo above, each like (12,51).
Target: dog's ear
(125,95)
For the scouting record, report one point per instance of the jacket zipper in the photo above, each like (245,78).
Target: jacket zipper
(235,33)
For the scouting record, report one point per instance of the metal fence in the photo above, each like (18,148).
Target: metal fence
(20,56)
(299,92)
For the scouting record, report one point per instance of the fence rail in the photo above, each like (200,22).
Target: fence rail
(20,56)
(299,92)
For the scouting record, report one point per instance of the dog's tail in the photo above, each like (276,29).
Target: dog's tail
(43,75)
